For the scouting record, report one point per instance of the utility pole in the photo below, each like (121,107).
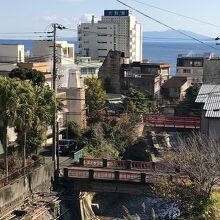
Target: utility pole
(55,91)
(55,122)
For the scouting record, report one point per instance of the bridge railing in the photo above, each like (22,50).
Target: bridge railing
(122,175)
(129,165)
(174,121)
(116,163)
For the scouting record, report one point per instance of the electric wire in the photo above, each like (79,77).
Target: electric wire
(178,14)
(166,25)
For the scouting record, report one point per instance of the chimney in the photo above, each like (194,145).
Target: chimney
(93,19)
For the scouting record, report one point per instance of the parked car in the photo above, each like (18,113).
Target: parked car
(67,146)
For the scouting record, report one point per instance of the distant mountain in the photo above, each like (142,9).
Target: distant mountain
(171,35)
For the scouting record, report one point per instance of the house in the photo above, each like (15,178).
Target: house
(88,68)
(144,76)
(198,67)
(175,87)
(209,96)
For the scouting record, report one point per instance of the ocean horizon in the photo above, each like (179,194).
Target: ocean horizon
(153,51)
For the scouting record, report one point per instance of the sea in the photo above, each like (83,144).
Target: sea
(154,51)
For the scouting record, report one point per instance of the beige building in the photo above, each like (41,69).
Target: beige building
(75,100)
(43,50)
(11,53)
(117,30)
(175,87)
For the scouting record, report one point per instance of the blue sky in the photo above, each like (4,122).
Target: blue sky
(36,15)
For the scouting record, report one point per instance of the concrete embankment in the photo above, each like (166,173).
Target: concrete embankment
(15,193)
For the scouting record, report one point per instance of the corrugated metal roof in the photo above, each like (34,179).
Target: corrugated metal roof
(210,96)
(205,91)
(212,114)
(212,102)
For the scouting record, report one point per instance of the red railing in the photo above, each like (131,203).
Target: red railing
(116,163)
(79,172)
(93,162)
(135,165)
(122,175)
(139,165)
(104,174)
(172,121)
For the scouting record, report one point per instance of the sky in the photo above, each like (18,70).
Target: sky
(22,16)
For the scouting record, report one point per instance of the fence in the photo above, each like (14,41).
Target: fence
(21,172)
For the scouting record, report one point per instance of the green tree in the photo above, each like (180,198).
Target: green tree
(95,95)
(9,103)
(34,76)
(139,102)
(45,101)
(73,130)
(25,114)
(30,127)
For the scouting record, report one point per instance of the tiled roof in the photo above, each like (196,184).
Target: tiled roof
(175,82)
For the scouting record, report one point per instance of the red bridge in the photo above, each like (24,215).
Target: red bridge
(102,175)
(172,121)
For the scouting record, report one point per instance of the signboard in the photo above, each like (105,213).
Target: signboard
(116,12)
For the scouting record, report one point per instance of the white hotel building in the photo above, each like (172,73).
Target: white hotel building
(118,30)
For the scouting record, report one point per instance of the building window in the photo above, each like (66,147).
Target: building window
(102,28)
(186,70)
(85,28)
(197,63)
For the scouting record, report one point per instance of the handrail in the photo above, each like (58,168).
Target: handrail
(20,172)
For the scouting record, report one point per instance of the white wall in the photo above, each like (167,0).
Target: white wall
(11,53)
(121,33)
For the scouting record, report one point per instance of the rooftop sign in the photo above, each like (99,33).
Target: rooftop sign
(116,12)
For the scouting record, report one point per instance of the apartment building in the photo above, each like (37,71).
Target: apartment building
(198,67)
(43,50)
(117,30)
(144,76)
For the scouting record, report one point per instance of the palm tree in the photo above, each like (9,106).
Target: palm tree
(25,114)
(9,102)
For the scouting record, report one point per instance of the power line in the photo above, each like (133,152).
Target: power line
(178,14)
(166,25)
